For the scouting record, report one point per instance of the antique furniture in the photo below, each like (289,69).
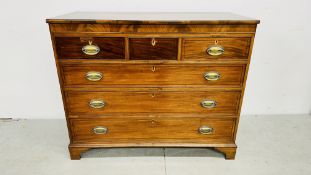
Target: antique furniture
(152,79)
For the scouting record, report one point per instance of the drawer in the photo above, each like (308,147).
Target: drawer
(153,75)
(91,48)
(153,48)
(96,103)
(195,129)
(215,48)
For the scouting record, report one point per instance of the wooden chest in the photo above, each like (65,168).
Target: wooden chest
(152,79)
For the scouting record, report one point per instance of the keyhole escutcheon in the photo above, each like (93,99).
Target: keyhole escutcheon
(153,42)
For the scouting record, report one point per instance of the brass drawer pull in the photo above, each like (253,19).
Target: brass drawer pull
(208,103)
(212,76)
(100,130)
(215,50)
(90,49)
(93,76)
(206,130)
(97,104)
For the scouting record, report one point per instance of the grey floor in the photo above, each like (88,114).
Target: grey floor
(266,145)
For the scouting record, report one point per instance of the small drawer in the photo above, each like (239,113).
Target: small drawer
(105,102)
(153,48)
(215,48)
(90,48)
(201,130)
(101,75)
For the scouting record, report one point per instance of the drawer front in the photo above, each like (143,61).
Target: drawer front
(153,75)
(92,48)
(97,103)
(153,48)
(215,48)
(200,129)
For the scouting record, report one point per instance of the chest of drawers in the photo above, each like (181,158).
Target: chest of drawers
(152,79)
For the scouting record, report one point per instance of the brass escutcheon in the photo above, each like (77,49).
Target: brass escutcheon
(100,130)
(93,76)
(212,76)
(90,49)
(206,130)
(215,50)
(153,42)
(208,103)
(97,103)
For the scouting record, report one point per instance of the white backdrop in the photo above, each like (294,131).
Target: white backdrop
(279,80)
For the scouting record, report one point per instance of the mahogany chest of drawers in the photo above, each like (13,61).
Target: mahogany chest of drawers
(152,79)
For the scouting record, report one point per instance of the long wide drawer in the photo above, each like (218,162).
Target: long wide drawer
(199,129)
(96,103)
(153,75)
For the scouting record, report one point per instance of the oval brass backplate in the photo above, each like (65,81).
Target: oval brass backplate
(206,130)
(215,50)
(208,103)
(100,130)
(212,76)
(90,49)
(97,104)
(93,76)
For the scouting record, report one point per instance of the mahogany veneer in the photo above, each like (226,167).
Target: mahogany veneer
(152,79)
(164,49)
(70,47)
(236,48)
(152,101)
(172,74)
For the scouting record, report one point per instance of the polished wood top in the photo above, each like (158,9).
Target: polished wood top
(153,18)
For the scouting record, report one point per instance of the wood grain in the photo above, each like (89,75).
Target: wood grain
(145,75)
(164,49)
(152,101)
(153,128)
(59,74)
(152,93)
(196,48)
(81,28)
(71,47)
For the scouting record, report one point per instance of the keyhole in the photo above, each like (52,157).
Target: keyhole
(216,42)
(153,42)
(153,69)
(153,122)
(153,95)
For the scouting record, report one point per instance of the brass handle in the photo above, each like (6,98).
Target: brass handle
(93,76)
(208,103)
(97,104)
(100,130)
(215,50)
(206,130)
(90,49)
(212,76)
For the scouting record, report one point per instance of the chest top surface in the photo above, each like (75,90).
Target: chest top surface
(153,18)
